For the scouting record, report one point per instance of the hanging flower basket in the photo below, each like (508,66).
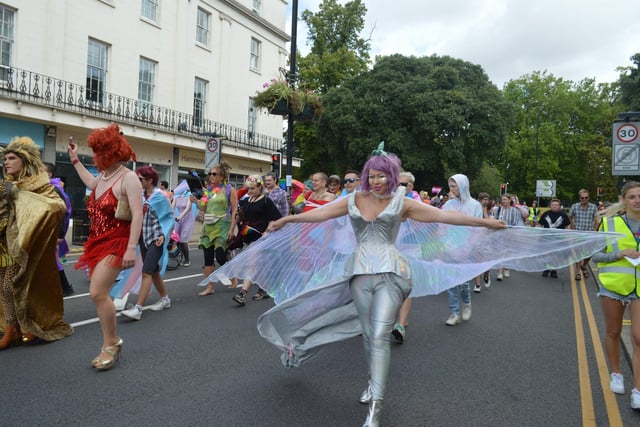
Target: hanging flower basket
(281,108)
(306,115)
(278,96)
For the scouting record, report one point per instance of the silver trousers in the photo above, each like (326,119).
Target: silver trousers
(378,298)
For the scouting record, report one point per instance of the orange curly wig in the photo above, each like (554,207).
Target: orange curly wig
(109,146)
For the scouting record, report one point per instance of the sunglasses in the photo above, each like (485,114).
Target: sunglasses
(350,180)
(212,174)
(142,178)
(404,184)
(584,198)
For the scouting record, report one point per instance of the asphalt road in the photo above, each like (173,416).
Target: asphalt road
(526,358)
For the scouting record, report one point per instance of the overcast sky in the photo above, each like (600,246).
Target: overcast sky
(508,38)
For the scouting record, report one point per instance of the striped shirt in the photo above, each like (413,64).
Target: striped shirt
(510,216)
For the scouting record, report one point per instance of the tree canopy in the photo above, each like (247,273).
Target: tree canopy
(629,85)
(562,132)
(439,114)
(337,51)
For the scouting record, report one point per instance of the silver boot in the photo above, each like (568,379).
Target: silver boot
(373,417)
(365,397)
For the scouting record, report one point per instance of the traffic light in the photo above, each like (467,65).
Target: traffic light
(600,191)
(503,187)
(276,162)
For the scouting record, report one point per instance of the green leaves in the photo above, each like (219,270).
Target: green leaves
(440,115)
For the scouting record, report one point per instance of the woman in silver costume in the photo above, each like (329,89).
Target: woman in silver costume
(381,277)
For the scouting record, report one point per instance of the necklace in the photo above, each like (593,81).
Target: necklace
(381,196)
(112,174)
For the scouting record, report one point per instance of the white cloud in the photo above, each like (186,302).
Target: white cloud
(508,38)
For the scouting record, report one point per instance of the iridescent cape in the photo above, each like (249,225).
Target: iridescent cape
(32,232)
(131,278)
(302,266)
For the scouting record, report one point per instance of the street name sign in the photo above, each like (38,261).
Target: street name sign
(546,188)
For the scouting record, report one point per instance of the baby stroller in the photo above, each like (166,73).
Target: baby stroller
(176,257)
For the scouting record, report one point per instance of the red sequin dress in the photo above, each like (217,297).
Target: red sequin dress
(107,235)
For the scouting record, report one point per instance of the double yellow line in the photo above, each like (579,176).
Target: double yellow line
(586,395)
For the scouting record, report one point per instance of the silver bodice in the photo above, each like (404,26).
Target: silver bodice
(375,251)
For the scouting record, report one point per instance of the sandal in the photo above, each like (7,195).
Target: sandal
(578,277)
(28,337)
(585,271)
(102,364)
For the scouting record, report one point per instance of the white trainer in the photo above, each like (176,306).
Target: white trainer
(164,302)
(499,276)
(635,398)
(616,383)
(453,320)
(507,273)
(477,288)
(133,313)
(466,312)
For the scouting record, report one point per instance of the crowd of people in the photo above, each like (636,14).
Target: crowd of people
(133,215)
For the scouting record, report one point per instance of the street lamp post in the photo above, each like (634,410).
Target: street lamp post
(537,151)
(292,82)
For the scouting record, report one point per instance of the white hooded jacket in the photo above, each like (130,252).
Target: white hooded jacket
(464,203)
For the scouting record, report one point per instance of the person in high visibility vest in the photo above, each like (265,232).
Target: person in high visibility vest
(619,273)
(534,214)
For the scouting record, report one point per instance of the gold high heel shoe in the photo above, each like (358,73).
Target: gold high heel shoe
(113,351)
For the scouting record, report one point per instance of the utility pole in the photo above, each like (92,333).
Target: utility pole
(293,77)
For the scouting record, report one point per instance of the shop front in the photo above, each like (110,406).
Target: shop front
(10,128)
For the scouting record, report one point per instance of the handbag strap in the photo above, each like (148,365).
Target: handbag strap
(122,190)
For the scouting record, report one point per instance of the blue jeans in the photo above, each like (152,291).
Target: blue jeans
(465,295)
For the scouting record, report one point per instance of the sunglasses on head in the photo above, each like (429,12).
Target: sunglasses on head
(350,180)
(404,184)
(213,174)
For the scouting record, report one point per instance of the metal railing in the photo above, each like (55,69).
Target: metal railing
(36,88)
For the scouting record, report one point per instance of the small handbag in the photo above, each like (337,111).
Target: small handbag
(123,210)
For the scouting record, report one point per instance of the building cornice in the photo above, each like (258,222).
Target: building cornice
(249,14)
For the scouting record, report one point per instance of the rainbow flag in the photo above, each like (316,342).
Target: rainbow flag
(248,229)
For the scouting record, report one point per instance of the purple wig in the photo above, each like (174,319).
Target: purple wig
(387,163)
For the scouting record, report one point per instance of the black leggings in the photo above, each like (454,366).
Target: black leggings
(211,252)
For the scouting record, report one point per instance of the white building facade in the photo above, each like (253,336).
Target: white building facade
(171,73)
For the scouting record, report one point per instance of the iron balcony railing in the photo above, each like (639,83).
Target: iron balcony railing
(37,88)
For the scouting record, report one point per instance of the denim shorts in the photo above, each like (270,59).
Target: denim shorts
(624,299)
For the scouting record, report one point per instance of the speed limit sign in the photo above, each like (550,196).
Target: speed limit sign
(625,159)
(627,133)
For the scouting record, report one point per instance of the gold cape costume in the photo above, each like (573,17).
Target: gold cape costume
(32,232)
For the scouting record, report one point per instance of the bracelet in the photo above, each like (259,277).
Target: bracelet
(75,161)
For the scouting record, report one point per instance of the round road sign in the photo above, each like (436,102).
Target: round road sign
(212,145)
(627,133)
